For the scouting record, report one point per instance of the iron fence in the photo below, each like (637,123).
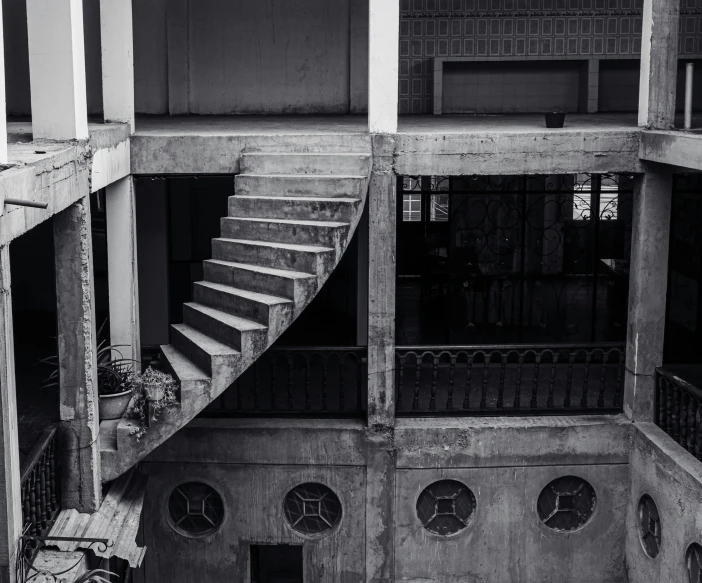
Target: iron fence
(679,410)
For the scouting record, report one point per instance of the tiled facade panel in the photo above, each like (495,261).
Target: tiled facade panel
(484,30)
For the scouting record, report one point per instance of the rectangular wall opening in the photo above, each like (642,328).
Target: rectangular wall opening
(276,564)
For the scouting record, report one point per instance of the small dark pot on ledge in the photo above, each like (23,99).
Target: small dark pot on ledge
(555,119)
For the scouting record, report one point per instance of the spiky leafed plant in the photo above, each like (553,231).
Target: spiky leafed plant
(95,576)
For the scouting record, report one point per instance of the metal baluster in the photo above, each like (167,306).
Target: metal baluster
(535,386)
(342,383)
(586,380)
(325,364)
(291,367)
(52,475)
(675,413)
(618,389)
(26,504)
(434,371)
(698,432)
(683,418)
(691,425)
(501,387)
(42,490)
(452,370)
(401,380)
(273,379)
(569,380)
(308,396)
(33,503)
(469,375)
(552,380)
(255,385)
(483,390)
(518,388)
(668,428)
(603,374)
(415,401)
(660,404)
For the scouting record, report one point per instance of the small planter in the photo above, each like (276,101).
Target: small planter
(114,406)
(555,119)
(154,392)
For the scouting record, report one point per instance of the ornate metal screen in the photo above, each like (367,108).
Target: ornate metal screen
(515,259)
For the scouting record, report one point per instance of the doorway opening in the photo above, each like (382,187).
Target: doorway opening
(276,564)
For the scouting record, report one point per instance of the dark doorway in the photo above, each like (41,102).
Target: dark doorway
(276,564)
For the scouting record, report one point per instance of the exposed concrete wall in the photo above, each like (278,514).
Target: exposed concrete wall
(673,478)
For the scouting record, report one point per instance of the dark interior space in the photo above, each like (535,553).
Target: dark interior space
(276,564)
(98,220)
(34,324)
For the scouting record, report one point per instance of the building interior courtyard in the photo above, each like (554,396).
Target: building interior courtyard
(343,291)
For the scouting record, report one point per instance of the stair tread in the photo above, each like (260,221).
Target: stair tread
(290,246)
(207,343)
(251,295)
(304,223)
(286,273)
(237,322)
(185,369)
(315,199)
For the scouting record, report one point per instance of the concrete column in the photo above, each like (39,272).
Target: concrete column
(380,471)
(75,295)
(10,509)
(123,278)
(3,103)
(659,63)
(383,62)
(57,69)
(117,61)
(648,285)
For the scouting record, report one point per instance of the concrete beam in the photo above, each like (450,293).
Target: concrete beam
(73,246)
(383,63)
(648,286)
(10,490)
(117,61)
(673,148)
(659,63)
(123,277)
(57,69)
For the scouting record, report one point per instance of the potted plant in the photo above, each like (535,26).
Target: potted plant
(154,392)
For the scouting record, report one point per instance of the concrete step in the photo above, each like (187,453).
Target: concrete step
(274,312)
(192,380)
(311,259)
(303,208)
(291,185)
(293,285)
(246,336)
(355,164)
(218,360)
(322,233)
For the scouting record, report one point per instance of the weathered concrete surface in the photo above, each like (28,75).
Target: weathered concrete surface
(673,478)
(505,540)
(253,501)
(511,441)
(77,354)
(674,148)
(648,286)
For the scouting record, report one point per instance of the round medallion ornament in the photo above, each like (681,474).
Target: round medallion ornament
(195,509)
(312,509)
(567,503)
(649,526)
(445,507)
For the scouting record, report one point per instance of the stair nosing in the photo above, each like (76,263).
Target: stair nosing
(298,198)
(250,325)
(202,375)
(266,299)
(284,273)
(288,246)
(302,222)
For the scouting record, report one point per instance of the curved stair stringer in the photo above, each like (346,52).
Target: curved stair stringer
(284,235)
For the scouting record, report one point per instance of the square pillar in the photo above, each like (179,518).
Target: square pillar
(117,61)
(123,279)
(659,63)
(77,351)
(383,63)
(10,488)
(648,287)
(57,69)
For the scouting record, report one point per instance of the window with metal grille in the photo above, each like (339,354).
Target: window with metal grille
(567,503)
(445,507)
(312,508)
(195,509)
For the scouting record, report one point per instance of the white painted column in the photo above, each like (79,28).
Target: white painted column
(3,106)
(117,61)
(57,69)
(10,509)
(122,268)
(383,62)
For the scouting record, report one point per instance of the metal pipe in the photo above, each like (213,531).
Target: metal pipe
(689,77)
(30,203)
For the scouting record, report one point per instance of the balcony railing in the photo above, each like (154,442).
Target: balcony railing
(679,406)
(40,484)
(302,381)
(502,380)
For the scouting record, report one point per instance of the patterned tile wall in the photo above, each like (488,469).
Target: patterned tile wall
(518,30)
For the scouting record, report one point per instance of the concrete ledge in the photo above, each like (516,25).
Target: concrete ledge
(680,149)
(512,441)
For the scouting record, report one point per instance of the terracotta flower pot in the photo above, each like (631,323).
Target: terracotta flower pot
(114,406)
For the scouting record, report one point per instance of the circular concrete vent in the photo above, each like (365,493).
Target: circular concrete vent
(312,509)
(649,526)
(445,507)
(694,563)
(566,504)
(195,509)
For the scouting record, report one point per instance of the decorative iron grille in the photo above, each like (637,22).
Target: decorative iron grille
(195,509)
(679,407)
(312,509)
(566,503)
(649,526)
(445,507)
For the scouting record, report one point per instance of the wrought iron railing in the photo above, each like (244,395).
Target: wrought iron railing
(40,487)
(679,410)
(516,379)
(307,381)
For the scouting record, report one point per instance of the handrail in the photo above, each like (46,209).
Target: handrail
(672,377)
(35,455)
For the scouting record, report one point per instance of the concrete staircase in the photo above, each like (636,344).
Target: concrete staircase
(289,223)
